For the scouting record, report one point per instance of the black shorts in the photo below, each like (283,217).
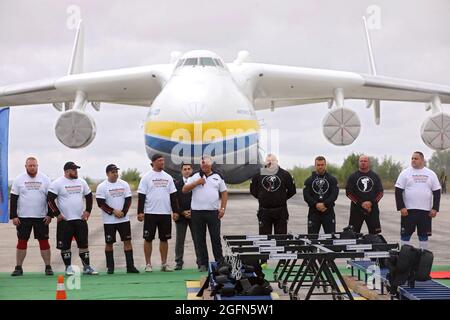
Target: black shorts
(277,217)
(372,219)
(66,230)
(326,220)
(124,229)
(161,221)
(416,218)
(37,224)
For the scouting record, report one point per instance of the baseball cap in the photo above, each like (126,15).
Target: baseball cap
(111,167)
(71,165)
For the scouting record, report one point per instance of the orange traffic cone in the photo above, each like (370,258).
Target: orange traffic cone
(60,289)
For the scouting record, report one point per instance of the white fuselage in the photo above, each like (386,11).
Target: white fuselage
(202,111)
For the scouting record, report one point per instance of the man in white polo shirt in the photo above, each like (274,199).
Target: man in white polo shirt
(417,195)
(28,210)
(157,205)
(209,201)
(114,199)
(70,191)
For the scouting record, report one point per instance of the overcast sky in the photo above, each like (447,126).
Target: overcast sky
(413,42)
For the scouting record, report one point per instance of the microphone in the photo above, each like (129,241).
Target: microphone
(202,174)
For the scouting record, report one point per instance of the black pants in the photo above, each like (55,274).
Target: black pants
(372,219)
(66,230)
(181,229)
(200,220)
(419,219)
(36,224)
(326,220)
(276,217)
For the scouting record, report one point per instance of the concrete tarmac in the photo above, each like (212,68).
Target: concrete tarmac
(240,218)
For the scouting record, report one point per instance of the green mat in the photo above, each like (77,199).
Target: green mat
(120,285)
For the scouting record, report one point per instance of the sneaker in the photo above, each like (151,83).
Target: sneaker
(18,271)
(110,271)
(166,268)
(178,267)
(89,270)
(69,271)
(48,271)
(148,268)
(203,269)
(132,269)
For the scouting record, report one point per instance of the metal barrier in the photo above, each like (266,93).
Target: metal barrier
(304,261)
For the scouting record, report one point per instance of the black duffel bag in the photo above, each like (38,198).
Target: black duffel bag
(408,265)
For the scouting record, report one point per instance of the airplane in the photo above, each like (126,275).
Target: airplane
(198,104)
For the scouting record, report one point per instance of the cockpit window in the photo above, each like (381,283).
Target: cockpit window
(180,63)
(200,61)
(207,62)
(218,62)
(191,62)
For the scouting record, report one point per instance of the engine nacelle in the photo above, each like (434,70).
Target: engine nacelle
(341,126)
(435,131)
(75,129)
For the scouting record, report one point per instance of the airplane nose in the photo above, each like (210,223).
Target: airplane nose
(195,111)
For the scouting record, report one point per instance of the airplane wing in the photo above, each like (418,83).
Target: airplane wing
(279,86)
(133,86)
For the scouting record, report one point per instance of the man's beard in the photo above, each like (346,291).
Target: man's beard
(272,169)
(32,174)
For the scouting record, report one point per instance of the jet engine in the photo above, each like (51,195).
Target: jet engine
(341,126)
(435,131)
(75,129)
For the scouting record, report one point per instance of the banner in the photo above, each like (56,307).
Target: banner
(4,130)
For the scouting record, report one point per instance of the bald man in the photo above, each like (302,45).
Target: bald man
(273,186)
(417,195)
(208,205)
(365,190)
(29,212)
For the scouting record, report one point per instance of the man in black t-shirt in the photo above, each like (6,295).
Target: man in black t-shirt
(320,192)
(273,186)
(365,190)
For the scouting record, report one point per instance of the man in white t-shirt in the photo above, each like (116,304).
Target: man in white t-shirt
(417,195)
(66,199)
(28,210)
(209,201)
(157,205)
(114,199)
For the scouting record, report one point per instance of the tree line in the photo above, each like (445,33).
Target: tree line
(386,167)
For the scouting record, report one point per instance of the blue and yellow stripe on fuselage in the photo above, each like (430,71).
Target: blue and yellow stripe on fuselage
(228,136)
